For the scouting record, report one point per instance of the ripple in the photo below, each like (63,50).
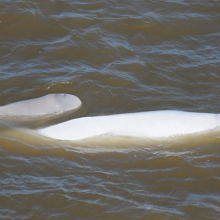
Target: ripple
(118,57)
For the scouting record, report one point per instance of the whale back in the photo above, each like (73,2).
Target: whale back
(153,125)
(46,105)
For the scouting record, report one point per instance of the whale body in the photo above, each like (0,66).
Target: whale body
(153,125)
(45,105)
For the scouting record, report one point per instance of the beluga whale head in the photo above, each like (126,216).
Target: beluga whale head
(64,102)
(43,106)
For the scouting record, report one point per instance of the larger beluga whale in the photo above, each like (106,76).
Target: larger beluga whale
(43,106)
(152,125)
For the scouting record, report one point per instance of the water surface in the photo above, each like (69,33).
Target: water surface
(117,57)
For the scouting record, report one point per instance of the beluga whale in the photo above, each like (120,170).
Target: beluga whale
(152,125)
(43,106)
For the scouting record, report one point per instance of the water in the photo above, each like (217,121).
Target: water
(117,57)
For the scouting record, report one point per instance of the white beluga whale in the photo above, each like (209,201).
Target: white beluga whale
(45,105)
(153,125)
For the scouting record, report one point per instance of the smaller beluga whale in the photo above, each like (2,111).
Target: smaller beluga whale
(151,125)
(43,106)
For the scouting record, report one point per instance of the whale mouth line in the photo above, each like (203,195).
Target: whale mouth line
(40,115)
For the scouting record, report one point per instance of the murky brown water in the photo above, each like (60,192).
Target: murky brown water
(117,57)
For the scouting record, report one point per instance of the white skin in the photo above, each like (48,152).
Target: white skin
(154,124)
(46,105)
